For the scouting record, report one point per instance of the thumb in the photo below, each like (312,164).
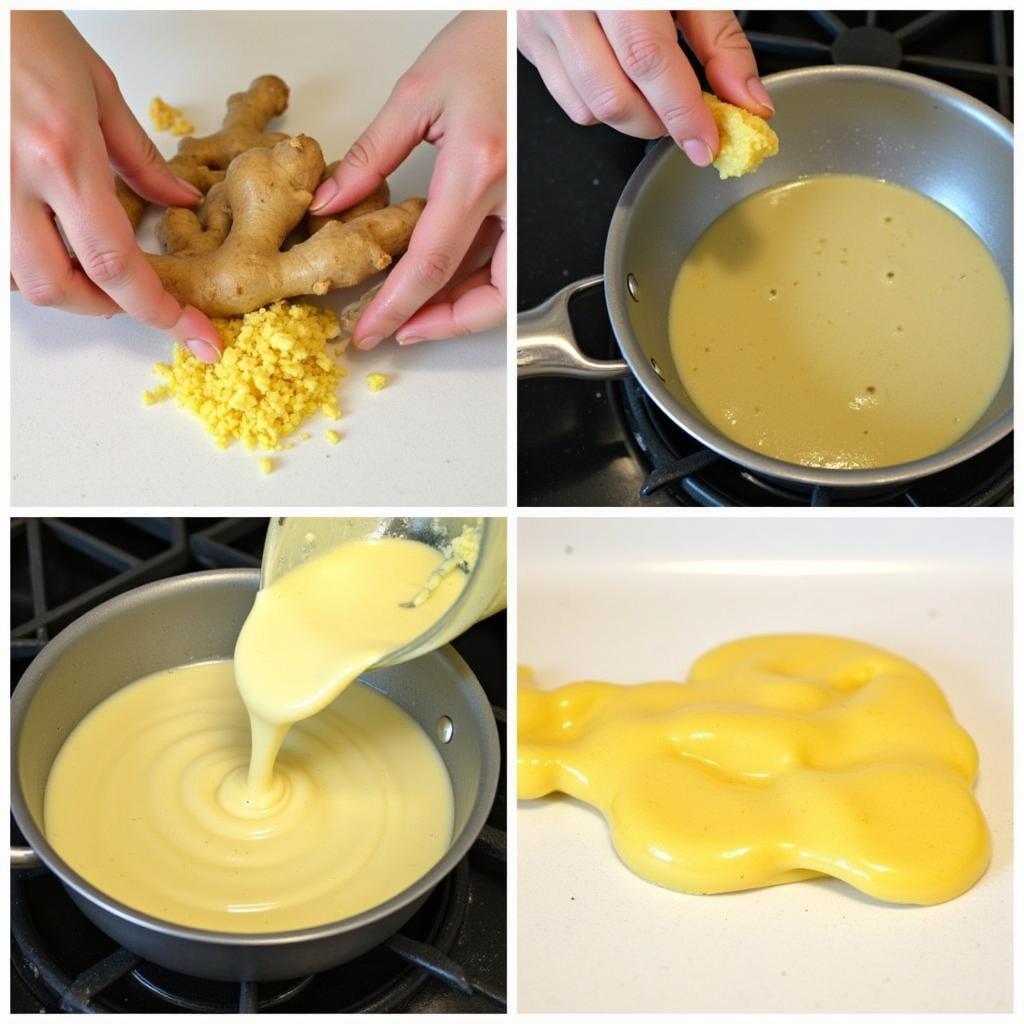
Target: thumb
(720,44)
(134,156)
(401,125)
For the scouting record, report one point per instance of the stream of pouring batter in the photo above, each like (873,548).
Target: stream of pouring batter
(317,628)
(339,801)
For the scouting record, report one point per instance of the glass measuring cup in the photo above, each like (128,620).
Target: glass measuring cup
(292,540)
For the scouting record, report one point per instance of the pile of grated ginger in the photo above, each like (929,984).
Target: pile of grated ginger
(277,371)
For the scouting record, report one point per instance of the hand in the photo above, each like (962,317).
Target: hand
(625,68)
(69,126)
(451,281)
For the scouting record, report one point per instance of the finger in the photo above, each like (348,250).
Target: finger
(475,263)
(721,46)
(433,321)
(104,243)
(196,332)
(43,270)
(401,125)
(545,59)
(133,154)
(647,48)
(479,254)
(476,304)
(475,266)
(460,196)
(595,74)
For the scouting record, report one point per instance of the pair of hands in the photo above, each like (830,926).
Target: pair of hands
(70,126)
(625,68)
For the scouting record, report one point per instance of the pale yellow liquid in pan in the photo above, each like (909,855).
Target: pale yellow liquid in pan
(782,758)
(182,801)
(840,321)
(147,800)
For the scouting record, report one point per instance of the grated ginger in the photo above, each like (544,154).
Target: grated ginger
(376,381)
(746,139)
(274,375)
(166,118)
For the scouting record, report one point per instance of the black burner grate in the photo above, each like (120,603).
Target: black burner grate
(449,958)
(926,43)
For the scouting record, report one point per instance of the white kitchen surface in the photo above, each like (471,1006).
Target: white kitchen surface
(80,433)
(634,600)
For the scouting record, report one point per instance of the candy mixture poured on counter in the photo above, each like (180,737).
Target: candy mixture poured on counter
(782,758)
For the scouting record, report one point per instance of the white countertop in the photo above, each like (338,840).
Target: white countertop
(639,599)
(80,433)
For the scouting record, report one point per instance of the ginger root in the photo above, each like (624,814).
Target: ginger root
(203,161)
(377,201)
(227,260)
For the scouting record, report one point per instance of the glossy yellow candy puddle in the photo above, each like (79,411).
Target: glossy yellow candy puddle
(781,758)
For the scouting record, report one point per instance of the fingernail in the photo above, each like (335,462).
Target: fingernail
(323,195)
(698,151)
(188,184)
(760,93)
(370,341)
(202,350)
(409,339)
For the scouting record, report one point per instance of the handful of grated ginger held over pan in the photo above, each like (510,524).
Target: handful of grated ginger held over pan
(746,139)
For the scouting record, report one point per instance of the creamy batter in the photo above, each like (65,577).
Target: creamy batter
(314,630)
(840,321)
(202,802)
(782,758)
(148,800)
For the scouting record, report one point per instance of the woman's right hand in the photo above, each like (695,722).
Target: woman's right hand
(69,126)
(625,68)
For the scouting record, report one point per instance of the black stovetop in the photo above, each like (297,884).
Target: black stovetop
(578,441)
(450,958)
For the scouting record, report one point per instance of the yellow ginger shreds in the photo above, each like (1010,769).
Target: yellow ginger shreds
(305,435)
(746,139)
(377,381)
(275,374)
(157,394)
(266,466)
(333,437)
(166,118)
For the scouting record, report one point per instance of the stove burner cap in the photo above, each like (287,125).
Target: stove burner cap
(867,44)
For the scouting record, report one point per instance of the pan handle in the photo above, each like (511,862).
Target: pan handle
(546,346)
(24,857)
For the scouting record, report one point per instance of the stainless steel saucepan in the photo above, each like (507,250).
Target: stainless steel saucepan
(851,120)
(197,617)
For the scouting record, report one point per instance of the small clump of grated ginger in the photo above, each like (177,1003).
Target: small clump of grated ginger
(275,373)
(166,118)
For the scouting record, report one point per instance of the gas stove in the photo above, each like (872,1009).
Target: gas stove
(450,958)
(586,444)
